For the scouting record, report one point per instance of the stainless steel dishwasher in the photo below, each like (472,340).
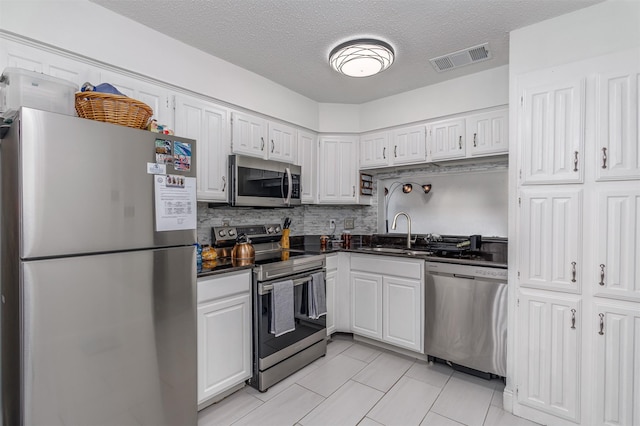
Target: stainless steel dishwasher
(466,315)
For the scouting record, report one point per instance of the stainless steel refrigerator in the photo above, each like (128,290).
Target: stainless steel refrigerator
(98,274)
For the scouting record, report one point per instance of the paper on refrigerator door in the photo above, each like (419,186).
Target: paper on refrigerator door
(175,199)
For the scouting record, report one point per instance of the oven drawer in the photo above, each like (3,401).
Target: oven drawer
(223,285)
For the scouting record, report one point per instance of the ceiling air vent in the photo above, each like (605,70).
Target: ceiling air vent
(462,57)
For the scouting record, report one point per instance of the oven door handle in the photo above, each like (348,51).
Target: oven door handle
(266,288)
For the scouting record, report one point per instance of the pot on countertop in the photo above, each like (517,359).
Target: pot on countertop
(243,250)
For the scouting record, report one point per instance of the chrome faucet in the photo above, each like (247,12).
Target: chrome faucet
(393,226)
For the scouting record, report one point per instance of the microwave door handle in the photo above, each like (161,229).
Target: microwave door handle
(290,181)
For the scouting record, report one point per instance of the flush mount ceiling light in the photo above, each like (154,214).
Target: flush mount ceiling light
(361,58)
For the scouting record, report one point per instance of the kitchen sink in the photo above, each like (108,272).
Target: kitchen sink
(405,251)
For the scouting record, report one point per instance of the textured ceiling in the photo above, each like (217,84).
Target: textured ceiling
(288,41)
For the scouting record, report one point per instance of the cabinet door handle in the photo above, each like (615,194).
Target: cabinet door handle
(601,324)
(395,151)
(601,274)
(573,319)
(604,158)
(460,142)
(224,183)
(573,272)
(384,153)
(262,146)
(475,135)
(575,161)
(354,190)
(273,146)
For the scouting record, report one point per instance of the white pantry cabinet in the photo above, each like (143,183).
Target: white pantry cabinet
(549,359)
(578,203)
(338,170)
(551,238)
(308,161)
(617,363)
(617,118)
(224,332)
(257,137)
(387,300)
(615,272)
(208,124)
(552,122)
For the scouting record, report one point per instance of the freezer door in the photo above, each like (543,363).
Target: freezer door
(84,186)
(110,339)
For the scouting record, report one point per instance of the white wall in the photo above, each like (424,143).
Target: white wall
(594,31)
(97,33)
(341,118)
(481,90)
(460,202)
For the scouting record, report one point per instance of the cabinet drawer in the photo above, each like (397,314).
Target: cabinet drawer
(387,265)
(223,285)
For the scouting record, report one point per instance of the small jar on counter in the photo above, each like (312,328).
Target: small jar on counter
(346,239)
(323,242)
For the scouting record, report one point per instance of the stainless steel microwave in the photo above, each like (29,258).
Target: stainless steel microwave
(263,183)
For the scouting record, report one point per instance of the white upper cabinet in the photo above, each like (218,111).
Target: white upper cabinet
(374,150)
(402,146)
(446,139)
(487,133)
(308,161)
(249,135)
(548,353)
(616,270)
(550,243)
(257,137)
(338,170)
(553,130)
(409,145)
(208,124)
(283,144)
(158,98)
(617,119)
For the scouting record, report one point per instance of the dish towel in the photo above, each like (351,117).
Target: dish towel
(282,320)
(317,296)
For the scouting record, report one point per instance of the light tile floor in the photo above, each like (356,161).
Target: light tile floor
(357,384)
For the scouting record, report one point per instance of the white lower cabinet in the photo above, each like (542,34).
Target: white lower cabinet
(331,279)
(617,363)
(366,304)
(401,305)
(549,339)
(224,332)
(387,300)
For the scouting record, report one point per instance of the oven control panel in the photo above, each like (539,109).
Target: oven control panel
(222,234)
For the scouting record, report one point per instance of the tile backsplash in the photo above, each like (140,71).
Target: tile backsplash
(314,219)
(306,219)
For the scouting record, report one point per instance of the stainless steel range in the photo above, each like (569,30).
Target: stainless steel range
(466,303)
(277,357)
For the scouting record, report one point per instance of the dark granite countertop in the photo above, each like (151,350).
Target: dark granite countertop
(364,244)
